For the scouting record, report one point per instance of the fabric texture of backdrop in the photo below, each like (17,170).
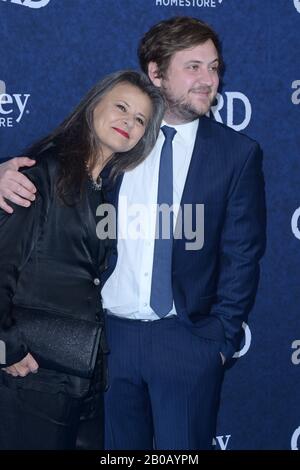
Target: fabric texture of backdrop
(53,51)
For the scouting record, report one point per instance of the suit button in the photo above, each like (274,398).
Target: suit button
(96,281)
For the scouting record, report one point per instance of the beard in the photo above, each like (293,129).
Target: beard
(183,109)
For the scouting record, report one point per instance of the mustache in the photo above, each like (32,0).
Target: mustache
(201,89)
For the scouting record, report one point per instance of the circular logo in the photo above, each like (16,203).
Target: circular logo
(297,5)
(247,344)
(294,223)
(294,440)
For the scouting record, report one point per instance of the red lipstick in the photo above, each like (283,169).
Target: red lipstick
(123,133)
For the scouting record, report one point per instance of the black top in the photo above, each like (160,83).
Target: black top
(50,256)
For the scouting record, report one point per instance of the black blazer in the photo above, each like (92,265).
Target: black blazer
(50,256)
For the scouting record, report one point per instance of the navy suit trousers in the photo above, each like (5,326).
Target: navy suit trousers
(164,385)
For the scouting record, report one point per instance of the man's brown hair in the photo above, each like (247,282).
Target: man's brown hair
(167,37)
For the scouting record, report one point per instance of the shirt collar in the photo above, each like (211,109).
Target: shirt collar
(186,131)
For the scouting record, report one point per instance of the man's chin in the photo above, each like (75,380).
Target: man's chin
(189,112)
(202,107)
(201,110)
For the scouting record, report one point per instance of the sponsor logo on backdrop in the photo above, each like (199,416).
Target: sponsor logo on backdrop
(247,344)
(189,3)
(295,438)
(295,358)
(296,94)
(227,107)
(29,3)
(297,5)
(295,223)
(221,442)
(13,107)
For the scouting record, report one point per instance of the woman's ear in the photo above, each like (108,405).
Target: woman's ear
(154,74)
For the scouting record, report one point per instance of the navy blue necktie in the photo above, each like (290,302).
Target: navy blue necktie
(161,299)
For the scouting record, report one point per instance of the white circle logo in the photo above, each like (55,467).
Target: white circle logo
(294,223)
(31,3)
(247,344)
(297,5)
(294,440)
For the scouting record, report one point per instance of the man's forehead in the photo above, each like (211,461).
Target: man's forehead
(200,52)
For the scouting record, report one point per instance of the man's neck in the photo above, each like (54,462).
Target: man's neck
(172,120)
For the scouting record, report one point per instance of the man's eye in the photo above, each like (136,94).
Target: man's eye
(121,107)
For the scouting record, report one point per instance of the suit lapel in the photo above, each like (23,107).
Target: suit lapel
(200,153)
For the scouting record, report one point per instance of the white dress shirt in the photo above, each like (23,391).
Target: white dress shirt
(127,291)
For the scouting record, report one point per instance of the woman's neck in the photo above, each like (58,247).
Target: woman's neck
(99,165)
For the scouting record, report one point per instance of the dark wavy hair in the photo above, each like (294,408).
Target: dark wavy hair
(167,37)
(77,145)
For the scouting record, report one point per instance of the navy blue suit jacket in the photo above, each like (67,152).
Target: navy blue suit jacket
(214,287)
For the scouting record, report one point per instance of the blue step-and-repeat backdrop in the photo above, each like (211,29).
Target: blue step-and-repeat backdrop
(53,51)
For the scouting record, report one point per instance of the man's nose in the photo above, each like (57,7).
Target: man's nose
(205,76)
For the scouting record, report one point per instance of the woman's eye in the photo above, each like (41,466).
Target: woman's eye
(140,121)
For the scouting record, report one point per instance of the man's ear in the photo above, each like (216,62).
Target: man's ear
(154,74)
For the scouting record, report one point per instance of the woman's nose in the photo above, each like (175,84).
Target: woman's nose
(128,121)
